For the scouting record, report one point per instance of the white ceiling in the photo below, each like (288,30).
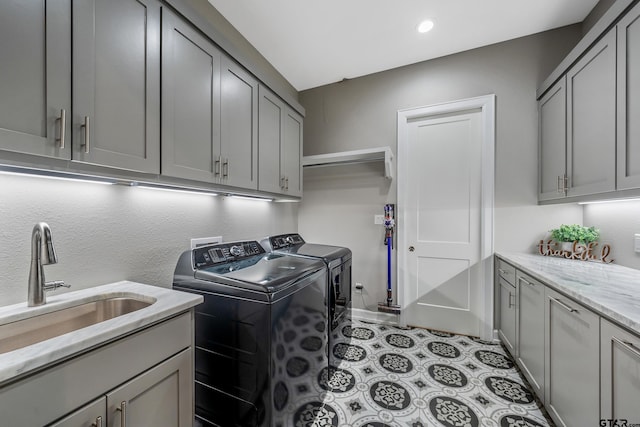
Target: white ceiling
(313,43)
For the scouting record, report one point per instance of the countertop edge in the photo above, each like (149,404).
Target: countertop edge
(596,305)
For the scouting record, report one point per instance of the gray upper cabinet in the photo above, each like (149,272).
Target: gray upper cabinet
(280,131)
(552,123)
(530,323)
(93,414)
(190,102)
(629,100)
(291,153)
(270,119)
(572,362)
(591,120)
(35,83)
(620,373)
(238,126)
(116,84)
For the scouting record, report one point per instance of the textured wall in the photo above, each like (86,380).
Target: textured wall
(618,222)
(339,202)
(106,233)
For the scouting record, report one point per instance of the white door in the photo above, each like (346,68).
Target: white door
(442,273)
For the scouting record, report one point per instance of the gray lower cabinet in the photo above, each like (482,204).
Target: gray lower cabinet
(116,84)
(280,132)
(552,135)
(620,374)
(507,329)
(572,362)
(93,414)
(144,379)
(530,322)
(35,83)
(628,127)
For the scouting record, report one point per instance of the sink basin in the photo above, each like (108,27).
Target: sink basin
(38,328)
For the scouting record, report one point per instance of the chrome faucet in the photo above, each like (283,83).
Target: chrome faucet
(42,253)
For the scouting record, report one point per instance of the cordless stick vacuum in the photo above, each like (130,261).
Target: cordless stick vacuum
(389,224)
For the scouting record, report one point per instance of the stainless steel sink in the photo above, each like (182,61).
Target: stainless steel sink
(24,332)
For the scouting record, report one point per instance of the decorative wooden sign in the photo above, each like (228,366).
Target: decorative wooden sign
(584,252)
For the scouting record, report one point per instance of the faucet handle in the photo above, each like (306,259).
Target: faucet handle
(55,284)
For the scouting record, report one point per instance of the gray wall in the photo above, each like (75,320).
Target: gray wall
(617,222)
(107,233)
(339,202)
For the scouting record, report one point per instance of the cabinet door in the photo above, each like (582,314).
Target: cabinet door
(291,153)
(35,87)
(162,396)
(239,126)
(190,102)
(92,415)
(629,100)
(591,120)
(507,330)
(620,373)
(116,83)
(572,362)
(271,117)
(530,333)
(552,134)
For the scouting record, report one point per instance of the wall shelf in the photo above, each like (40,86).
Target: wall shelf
(350,157)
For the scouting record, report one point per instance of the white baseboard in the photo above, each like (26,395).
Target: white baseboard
(375,316)
(496,337)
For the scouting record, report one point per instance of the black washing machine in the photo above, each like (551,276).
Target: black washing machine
(338,262)
(261,335)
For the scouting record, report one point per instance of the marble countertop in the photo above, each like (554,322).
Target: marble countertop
(608,289)
(19,362)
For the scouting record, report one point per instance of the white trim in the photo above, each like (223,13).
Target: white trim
(487,106)
(375,316)
(356,156)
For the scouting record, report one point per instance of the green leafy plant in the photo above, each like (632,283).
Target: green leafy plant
(575,232)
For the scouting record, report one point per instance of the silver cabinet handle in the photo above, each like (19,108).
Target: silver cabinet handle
(565,184)
(98,422)
(225,168)
(286,185)
(629,346)
(558,184)
(216,170)
(520,279)
(282,178)
(411,249)
(563,305)
(87,133)
(123,413)
(63,127)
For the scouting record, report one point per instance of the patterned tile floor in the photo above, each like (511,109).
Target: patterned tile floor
(389,376)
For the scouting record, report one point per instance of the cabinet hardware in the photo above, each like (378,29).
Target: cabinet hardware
(511,304)
(520,279)
(565,184)
(63,127)
(286,183)
(563,305)
(411,249)
(123,413)
(558,184)
(98,422)
(282,178)
(216,167)
(628,345)
(87,134)
(225,168)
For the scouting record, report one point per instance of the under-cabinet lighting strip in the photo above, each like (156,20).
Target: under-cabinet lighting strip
(598,202)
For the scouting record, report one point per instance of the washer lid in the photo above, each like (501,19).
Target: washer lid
(326,252)
(263,273)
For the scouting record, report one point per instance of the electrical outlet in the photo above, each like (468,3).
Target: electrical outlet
(378,219)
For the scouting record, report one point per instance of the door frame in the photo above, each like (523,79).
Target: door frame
(486,105)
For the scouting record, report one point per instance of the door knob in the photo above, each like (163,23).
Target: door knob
(411,249)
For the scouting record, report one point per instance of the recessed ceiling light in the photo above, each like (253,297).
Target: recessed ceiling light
(425,26)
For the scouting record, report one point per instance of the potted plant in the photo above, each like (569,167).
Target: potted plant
(567,234)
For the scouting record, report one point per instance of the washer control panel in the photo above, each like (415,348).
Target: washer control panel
(207,256)
(285,240)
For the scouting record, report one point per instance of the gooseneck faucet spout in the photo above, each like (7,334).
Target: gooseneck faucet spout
(42,253)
